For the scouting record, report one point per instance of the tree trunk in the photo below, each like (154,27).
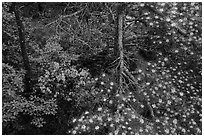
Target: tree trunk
(123,71)
(21,32)
(120,47)
(119,42)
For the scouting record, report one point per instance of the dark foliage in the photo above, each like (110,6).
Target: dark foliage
(147,55)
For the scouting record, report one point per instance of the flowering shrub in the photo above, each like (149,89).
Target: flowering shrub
(173,107)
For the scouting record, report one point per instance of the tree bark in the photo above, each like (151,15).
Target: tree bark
(119,42)
(116,35)
(120,47)
(22,42)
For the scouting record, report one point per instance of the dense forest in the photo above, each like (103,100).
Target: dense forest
(97,68)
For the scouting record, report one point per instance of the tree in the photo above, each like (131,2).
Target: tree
(145,83)
(22,41)
(103,68)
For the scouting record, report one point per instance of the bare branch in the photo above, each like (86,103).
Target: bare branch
(65,16)
(73,14)
(110,12)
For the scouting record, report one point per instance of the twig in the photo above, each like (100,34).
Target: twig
(110,12)
(73,14)
(130,75)
(65,16)
(112,63)
(126,27)
(51,23)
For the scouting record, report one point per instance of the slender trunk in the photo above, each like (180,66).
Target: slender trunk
(21,32)
(116,34)
(120,11)
(119,42)
(122,68)
(120,48)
